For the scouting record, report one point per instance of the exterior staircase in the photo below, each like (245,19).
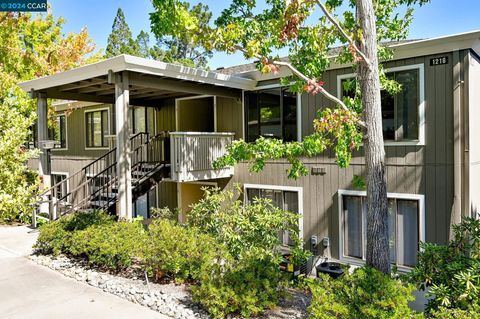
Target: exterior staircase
(95,186)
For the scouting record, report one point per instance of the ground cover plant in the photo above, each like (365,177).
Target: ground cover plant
(452,271)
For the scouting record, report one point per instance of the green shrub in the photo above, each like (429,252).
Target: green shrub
(452,272)
(243,227)
(112,245)
(249,280)
(247,287)
(366,293)
(178,251)
(54,235)
(448,313)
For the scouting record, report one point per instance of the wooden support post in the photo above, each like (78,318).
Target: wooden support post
(44,168)
(123,153)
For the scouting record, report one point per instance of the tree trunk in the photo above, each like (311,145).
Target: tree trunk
(378,254)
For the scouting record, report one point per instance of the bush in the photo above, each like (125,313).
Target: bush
(452,272)
(366,293)
(178,251)
(54,235)
(243,227)
(448,313)
(246,287)
(111,245)
(249,279)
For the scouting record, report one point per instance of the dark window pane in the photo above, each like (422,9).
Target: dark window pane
(104,127)
(388,116)
(392,228)
(270,114)
(58,132)
(252,193)
(60,191)
(96,128)
(140,123)
(291,205)
(253,130)
(407,105)
(399,111)
(151,120)
(407,232)
(289,116)
(353,220)
(141,206)
(274,195)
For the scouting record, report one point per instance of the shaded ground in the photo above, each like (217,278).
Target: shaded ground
(28,290)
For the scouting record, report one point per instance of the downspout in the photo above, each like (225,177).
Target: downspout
(466,200)
(458,84)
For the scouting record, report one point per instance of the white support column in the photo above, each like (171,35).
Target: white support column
(42,131)
(124,168)
(42,135)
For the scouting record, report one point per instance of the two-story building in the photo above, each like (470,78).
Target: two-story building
(138,133)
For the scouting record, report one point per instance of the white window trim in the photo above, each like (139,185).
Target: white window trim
(356,261)
(85,125)
(66,134)
(299,191)
(66,174)
(275,86)
(421,96)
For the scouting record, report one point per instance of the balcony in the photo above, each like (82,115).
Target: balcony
(192,155)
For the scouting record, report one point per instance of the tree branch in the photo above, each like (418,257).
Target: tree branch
(302,76)
(342,31)
(321,89)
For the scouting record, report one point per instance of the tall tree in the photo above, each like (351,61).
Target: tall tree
(31,47)
(120,40)
(181,47)
(361,26)
(143,42)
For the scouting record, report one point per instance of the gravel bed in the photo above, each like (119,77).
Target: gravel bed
(169,299)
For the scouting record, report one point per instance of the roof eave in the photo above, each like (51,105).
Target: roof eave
(140,65)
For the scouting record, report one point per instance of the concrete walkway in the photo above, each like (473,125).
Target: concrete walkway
(28,290)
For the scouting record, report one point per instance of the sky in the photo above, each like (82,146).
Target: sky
(440,17)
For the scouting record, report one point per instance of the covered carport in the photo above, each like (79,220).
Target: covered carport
(126,81)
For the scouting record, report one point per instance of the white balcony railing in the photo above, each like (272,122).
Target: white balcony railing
(193,154)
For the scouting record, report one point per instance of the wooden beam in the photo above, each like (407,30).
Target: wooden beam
(151,94)
(97,88)
(182,87)
(56,94)
(82,84)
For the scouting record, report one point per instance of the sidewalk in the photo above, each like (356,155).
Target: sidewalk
(28,290)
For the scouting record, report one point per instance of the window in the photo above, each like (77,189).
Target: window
(61,190)
(59,131)
(402,113)
(271,113)
(404,226)
(288,199)
(144,204)
(96,127)
(142,120)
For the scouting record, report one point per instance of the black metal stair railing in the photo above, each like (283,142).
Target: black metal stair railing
(95,186)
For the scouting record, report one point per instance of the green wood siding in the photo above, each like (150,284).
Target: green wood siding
(426,170)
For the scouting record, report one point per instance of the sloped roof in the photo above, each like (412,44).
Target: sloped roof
(237,69)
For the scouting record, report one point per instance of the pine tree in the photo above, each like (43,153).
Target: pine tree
(120,41)
(143,40)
